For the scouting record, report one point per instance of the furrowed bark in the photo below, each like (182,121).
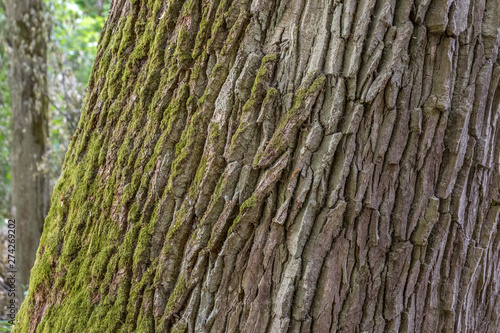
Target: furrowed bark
(27,75)
(295,166)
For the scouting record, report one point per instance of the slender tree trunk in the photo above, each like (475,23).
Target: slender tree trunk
(27,42)
(100,6)
(281,166)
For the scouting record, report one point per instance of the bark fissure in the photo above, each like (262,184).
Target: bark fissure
(297,166)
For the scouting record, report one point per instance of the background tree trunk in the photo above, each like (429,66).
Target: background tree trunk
(293,166)
(27,49)
(100,6)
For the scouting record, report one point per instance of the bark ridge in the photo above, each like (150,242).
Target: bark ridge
(281,166)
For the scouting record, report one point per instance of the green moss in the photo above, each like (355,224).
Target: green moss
(264,72)
(279,140)
(317,85)
(134,213)
(231,44)
(40,274)
(201,100)
(136,298)
(110,272)
(179,291)
(201,36)
(141,252)
(128,36)
(200,173)
(128,193)
(172,13)
(249,203)
(218,189)
(218,26)
(234,225)
(126,249)
(89,249)
(179,217)
(235,139)
(184,148)
(216,80)
(101,262)
(157,4)
(271,92)
(141,51)
(180,327)
(256,96)
(176,109)
(182,51)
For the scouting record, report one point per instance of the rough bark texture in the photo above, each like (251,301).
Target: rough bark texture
(281,166)
(27,49)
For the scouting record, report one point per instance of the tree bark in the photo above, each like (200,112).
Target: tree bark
(293,166)
(100,6)
(27,75)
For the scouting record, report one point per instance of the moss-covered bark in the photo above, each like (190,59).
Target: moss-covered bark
(280,167)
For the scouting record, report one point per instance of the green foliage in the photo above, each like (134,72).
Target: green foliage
(76,29)
(5,326)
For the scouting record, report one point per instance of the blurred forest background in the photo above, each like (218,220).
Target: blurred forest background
(74,31)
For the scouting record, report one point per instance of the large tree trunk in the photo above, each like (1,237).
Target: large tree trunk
(293,166)
(27,45)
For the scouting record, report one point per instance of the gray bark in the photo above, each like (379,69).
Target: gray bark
(27,75)
(281,166)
